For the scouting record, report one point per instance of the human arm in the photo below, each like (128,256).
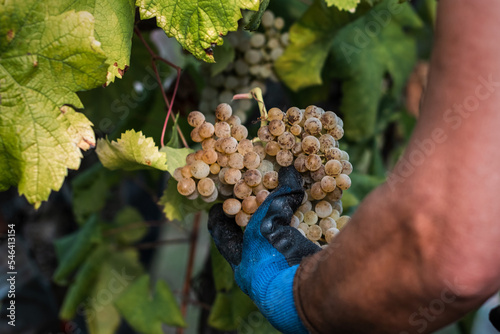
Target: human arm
(420,251)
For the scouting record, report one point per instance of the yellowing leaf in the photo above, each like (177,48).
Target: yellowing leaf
(46,55)
(349,5)
(197,25)
(132,151)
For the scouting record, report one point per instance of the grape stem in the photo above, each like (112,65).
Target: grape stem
(256,94)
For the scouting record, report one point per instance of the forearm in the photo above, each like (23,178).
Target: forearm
(420,250)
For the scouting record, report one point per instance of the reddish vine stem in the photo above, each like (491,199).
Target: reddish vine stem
(189,269)
(169,104)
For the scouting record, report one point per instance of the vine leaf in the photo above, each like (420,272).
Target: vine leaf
(46,55)
(146,312)
(132,151)
(176,157)
(114,28)
(197,25)
(349,5)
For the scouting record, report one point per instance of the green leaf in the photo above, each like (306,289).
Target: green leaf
(349,5)
(174,140)
(254,22)
(114,25)
(84,281)
(176,157)
(74,248)
(229,309)
(197,25)
(146,313)
(224,55)
(302,62)
(176,206)
(363,58)
(128,217)
(116,273)
(45,56)
(132,151)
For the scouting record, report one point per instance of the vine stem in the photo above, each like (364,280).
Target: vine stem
(189,268)
(155,57)
(256,94)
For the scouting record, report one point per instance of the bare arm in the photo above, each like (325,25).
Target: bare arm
(423,249)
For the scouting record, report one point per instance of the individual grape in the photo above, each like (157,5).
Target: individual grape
(276,53)
(186,171)
(252,177)
(305,198)
(265,166)
(233,120)
(343,181)
(190,158)
(259,149)
(310,145)
(186,186)
(222,159)
(232,176)
(310,218)
(296,130)
(346,167)
(330,234)
(307,206)
(212,198)
(333,167)
(177,175)
(236,161)
(323,209)
(209,156)
(297,148)
(314,233)
(313,162)
(208,143)
(313,126)
(328,184)
(304,227)
(231,206)
(284,38)
(335,215)
(318,175)
(270,180)
(342,221)
(337,132)
(299,215)
(239,132)
(195,135)
(249,204)
(337,205)
(276,127)
(340,121)
(198,155)
(226,190)
(293,115)
(326,224)
(313,112)
(222,130)
(294,222)
(286,140)
(279,23)
(253,57)
(242,218)
(267,19)
(316,192)
(333,154)
(215,168)
(272,148)
(344,155)
(284,158)
(229,145)
(223,111)
(251,160)
(329,120)
(193,196)
(326,142)
(241,189)
(245,146)
(275,114)
(258,188)
(257,40)
(300,163)
(302,231)
(206,187)
(196,118)
(241,67)
(264,134)
(206,130)
(261,196)
(199,169)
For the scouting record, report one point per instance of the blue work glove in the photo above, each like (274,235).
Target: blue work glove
(265,258)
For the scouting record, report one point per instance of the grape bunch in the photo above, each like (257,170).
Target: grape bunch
(242,172)
(255,55)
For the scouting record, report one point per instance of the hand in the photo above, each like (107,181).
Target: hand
(265,258)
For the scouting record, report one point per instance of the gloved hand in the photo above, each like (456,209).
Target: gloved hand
(266,257)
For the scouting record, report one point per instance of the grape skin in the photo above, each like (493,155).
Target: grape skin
(206,187)
(186,186)
(196,118)
(252,177)
(231,206)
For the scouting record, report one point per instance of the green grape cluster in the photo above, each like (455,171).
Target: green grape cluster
(242,172)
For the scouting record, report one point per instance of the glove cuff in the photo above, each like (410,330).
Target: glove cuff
(278,305)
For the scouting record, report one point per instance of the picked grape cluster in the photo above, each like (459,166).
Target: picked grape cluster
(242,172)
(254,58)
